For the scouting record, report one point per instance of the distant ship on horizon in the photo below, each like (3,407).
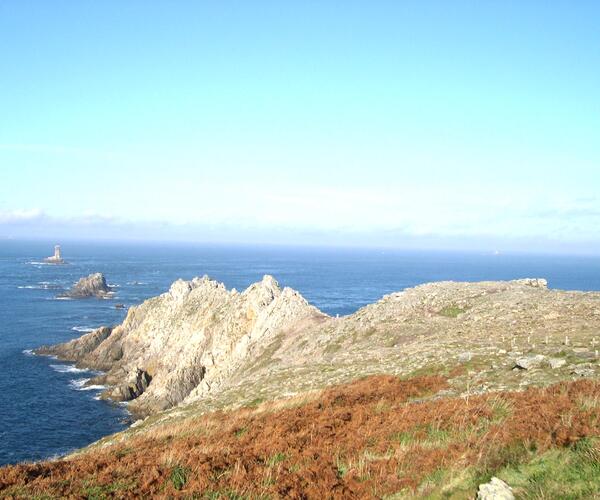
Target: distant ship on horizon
(56,258)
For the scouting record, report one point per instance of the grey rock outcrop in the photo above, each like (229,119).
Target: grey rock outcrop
(93,285)
(529,362)
(74,351)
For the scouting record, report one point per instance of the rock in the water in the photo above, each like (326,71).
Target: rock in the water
(93,285)
(74,351)
(529,362)
(555,363)
(496,489)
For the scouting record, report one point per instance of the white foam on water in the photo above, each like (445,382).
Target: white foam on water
(28,287)
(28,352)
(93,387)
(82,329)
(61,298)
(78,383)
(68,369)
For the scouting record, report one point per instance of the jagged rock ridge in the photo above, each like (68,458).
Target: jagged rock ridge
(187,339)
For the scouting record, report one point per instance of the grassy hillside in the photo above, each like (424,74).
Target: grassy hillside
(378,437)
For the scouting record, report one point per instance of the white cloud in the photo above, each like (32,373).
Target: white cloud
(20,215)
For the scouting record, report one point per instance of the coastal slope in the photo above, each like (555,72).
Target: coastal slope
(447,390)
(202,343)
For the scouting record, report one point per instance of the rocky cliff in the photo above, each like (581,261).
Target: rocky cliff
(200,343)
(93,285)
(191,338)
(483,379)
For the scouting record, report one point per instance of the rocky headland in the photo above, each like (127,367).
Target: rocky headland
(443,389)
(200,342)
(93,285)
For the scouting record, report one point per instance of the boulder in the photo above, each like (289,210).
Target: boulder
(529,362)
(555,363)
(496,489)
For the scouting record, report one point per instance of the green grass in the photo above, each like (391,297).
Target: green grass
(342,467)
(100,491)
(452,311)
(570,473)
(225,495)
(430,435)
(240,432)
(255,402)
(275,459)
(179,476)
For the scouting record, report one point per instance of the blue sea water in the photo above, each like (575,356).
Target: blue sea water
(44,410)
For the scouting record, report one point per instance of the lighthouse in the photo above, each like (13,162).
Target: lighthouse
(56,258)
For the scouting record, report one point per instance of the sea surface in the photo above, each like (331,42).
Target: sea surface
(44,409)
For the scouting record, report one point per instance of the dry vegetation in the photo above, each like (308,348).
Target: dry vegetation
(379,437)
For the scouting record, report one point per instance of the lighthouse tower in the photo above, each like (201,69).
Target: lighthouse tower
(56,258)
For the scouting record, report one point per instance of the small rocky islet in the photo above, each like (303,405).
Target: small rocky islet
(93,285)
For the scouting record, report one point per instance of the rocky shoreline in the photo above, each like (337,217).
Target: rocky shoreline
(200,342)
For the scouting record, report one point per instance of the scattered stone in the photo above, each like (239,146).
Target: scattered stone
(582,371)
(465,357)
(555,363)
(529,362)
(584,353)
(496,489)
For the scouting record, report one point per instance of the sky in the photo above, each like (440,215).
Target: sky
(383,123)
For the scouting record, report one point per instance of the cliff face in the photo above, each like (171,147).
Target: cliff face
(189,339)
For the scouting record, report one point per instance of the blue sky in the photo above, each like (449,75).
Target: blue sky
(437,124)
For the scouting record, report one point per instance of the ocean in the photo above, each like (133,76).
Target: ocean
(44,409)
